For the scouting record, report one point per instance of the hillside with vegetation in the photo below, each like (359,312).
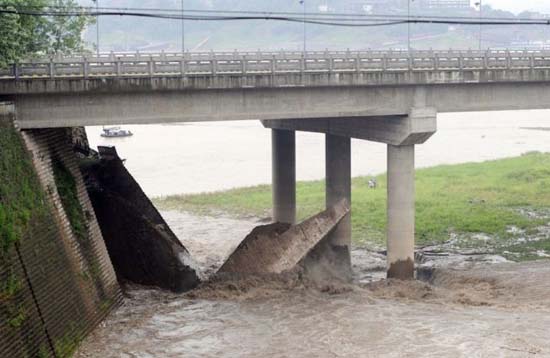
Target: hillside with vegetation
(146,34)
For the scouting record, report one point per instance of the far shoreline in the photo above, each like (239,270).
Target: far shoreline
(544,129)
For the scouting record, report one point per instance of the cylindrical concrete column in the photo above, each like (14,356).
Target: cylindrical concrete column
(400,229)
(338,183)
(338,187)
(284,175)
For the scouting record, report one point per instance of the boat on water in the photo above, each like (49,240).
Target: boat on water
(116,132)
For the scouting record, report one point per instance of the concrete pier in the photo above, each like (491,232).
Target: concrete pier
(338,187)
(400,226)
(401,134)
(284,175)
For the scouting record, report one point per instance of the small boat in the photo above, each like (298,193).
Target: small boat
(116,132)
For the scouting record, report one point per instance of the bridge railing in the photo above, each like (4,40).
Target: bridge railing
(250,63)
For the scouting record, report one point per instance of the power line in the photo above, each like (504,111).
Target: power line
(287,13)
(271,13)
(186,17)
(310,20)
(195,18)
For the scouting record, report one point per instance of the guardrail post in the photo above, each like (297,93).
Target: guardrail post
(150,66)
(532,61)
(182,67)
(118,67)
(16,71)
(214,67)
(330,64)
(486,60)
(51,68)
(508,59)
(273,64)
(436,61)
(243,64)
(212,59)
(460,62)
(358,63)
(85,67)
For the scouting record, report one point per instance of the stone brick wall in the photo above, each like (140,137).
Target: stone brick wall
(55,285)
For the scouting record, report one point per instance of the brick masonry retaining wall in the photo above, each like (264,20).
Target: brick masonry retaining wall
(64,284)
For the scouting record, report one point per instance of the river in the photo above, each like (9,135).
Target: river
(483,311)
(480,310)
(201,157)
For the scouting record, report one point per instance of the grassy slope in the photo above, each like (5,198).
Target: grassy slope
(466,198)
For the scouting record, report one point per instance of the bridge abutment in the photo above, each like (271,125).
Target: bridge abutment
(284,175)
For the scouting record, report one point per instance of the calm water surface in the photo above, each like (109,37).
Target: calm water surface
(199,157)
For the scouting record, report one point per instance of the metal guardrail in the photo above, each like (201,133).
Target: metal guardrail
(252,63)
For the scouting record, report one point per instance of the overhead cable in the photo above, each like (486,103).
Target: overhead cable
(286,13)
(307,19)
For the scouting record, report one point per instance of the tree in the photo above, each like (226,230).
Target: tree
(63,33)
(23,35)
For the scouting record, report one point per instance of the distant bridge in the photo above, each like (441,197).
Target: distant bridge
(388,97)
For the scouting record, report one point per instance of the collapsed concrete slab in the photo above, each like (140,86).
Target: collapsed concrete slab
(280,247)
(142,247)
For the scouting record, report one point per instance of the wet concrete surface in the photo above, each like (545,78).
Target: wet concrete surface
(478,309)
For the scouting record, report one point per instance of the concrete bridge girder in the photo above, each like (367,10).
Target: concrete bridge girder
(147,105)
(401,134)
(415,128)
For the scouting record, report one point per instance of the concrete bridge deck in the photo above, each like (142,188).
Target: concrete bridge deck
(160,88)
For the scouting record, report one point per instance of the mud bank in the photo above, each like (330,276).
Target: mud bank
(479,309)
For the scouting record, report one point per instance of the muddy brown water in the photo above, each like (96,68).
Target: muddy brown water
(479,310)
(198,157)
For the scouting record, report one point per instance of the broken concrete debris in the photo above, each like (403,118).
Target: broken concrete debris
(145,251)
(276,248)
(142,247)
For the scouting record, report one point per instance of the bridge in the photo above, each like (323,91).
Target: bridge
(389,97)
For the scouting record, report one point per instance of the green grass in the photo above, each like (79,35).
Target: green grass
(22,203)
(68,344)
(465,198)
(10,287)
(525,251)
(21,198)
(66,187)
